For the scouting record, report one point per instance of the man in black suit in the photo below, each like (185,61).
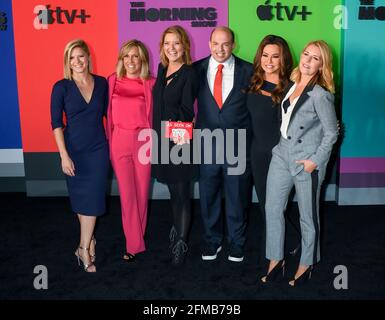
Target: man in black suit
(222,110)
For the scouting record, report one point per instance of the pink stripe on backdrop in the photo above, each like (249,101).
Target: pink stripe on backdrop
(362,165)
(150,31)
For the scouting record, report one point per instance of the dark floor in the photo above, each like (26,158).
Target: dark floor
(42,231)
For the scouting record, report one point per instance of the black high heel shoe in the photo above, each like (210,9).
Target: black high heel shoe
(302,279)
(128,257)
(173,237)
(179,252)
(276,274)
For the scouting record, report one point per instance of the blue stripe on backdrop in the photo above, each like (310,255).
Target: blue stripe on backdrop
(364,80)
(10,135)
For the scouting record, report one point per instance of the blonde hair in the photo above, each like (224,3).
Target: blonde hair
(77,43)
(184,39)
(324,78)
(143,54)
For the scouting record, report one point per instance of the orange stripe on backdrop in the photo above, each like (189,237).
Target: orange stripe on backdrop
(39,56)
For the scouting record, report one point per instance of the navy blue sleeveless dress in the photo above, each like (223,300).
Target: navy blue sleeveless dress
(86,142)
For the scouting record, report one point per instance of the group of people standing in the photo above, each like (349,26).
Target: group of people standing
(288,116)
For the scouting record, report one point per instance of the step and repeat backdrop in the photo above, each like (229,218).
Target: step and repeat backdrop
(11,149)
(33,34)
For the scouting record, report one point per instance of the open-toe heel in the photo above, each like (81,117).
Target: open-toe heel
(302,279)
(93,255)
(128,257)
(86,266)
(276,274)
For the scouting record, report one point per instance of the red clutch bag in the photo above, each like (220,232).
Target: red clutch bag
(179,129)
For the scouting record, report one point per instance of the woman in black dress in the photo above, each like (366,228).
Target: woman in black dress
(272,66)
(173,96)
(82,145)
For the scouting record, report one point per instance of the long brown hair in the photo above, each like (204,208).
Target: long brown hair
(324,78)
(286,67)
(184,39)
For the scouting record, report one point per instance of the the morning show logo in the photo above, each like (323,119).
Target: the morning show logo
(368,11)
(3,21)
(199,17)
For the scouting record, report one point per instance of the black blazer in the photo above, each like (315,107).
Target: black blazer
(234,113)
(173,102)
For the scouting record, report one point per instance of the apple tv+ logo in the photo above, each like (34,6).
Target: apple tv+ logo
(267,12)
(3,21)
(60,16)
(369,12)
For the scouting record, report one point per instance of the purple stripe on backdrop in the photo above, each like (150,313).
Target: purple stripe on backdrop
(362,180)
(130,24)
(362,165)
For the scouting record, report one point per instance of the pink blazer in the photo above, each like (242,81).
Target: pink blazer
(148,84)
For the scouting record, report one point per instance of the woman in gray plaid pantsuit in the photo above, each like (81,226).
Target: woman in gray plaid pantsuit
(308,132)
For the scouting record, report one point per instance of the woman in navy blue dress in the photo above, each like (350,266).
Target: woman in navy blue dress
(82,144)
(272,66)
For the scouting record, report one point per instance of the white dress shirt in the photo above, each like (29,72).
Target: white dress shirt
(228,76)
(286,116)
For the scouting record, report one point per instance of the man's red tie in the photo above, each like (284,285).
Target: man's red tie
(218,86)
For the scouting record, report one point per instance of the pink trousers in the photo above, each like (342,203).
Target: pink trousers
(133,181)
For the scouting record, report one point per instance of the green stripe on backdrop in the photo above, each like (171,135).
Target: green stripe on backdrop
(298,21)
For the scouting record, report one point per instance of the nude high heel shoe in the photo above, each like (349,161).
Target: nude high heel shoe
(93,256)
(85,265)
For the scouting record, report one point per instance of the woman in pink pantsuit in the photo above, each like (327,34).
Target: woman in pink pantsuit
(129,112)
